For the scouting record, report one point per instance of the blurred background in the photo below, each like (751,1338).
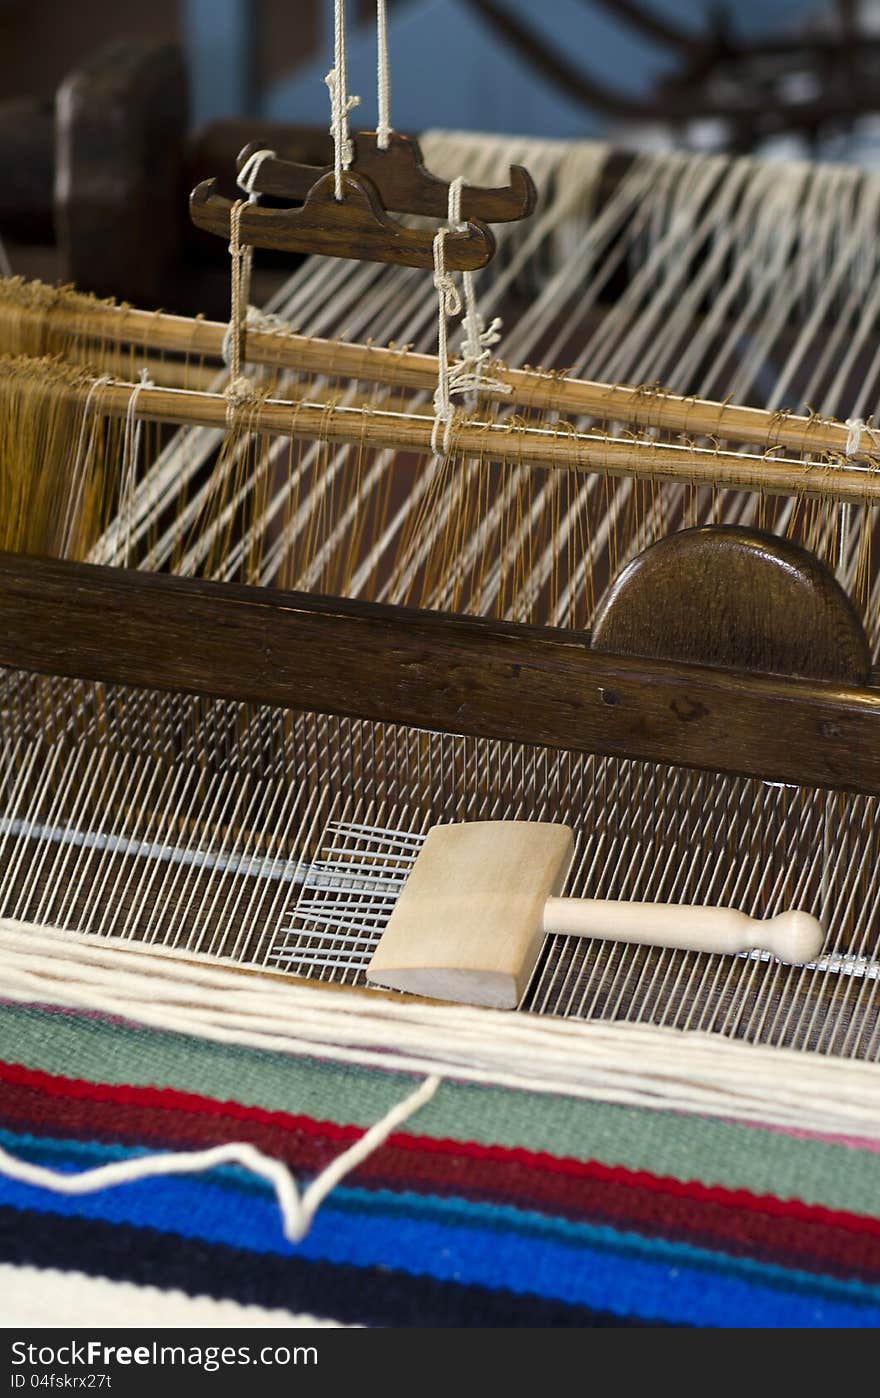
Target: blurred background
(154,96)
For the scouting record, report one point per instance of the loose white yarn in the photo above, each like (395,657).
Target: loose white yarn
(340,102)
(637,1065)
(298,1208)
(858,428)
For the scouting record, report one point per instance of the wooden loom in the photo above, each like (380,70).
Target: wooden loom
(559,723)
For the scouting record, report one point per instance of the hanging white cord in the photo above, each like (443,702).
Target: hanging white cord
(467,375)
(242,262)
(383,77)
(340,102)
(240,387)
(297,1209)
(448,304)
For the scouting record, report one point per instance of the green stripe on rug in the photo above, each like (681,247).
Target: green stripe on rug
(683,1146)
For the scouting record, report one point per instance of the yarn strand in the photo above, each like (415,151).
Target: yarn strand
(448,304)
(859,429)
(298,1208)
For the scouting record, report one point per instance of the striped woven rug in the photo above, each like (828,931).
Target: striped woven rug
(493,1207)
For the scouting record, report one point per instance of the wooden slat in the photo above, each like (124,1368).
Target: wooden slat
(380,429)
(430,670)
(528,388)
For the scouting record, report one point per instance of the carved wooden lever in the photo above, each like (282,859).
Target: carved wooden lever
(401,180)
(355,226)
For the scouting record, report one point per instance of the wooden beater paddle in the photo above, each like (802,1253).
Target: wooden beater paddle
(481,896)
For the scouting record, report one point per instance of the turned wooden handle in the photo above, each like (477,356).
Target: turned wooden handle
(793,936)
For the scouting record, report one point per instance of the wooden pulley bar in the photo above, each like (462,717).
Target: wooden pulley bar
(401,180)
(354,226)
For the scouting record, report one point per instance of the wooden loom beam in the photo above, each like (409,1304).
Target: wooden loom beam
(401,368)
(429,670)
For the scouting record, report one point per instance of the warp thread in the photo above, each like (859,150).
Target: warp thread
(85,446)
(131,445)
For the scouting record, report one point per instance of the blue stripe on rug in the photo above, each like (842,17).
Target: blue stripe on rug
(455,1240)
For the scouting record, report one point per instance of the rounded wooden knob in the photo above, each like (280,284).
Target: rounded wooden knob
(740,598)
(795,936)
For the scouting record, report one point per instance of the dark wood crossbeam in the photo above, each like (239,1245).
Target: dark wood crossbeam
(429,670)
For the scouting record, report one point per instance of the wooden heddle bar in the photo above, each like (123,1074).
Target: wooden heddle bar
(856,482)
(64,313)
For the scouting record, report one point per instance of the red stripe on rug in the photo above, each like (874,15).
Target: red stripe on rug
(787,1242)
(171,1098)
(809,1236)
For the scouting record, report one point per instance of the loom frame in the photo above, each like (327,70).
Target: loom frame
(432,670)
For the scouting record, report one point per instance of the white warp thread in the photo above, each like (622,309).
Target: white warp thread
(340,101)
(81,461)
(131,446)
(298,1208)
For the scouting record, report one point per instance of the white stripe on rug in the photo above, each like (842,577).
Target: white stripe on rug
(48,1299)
